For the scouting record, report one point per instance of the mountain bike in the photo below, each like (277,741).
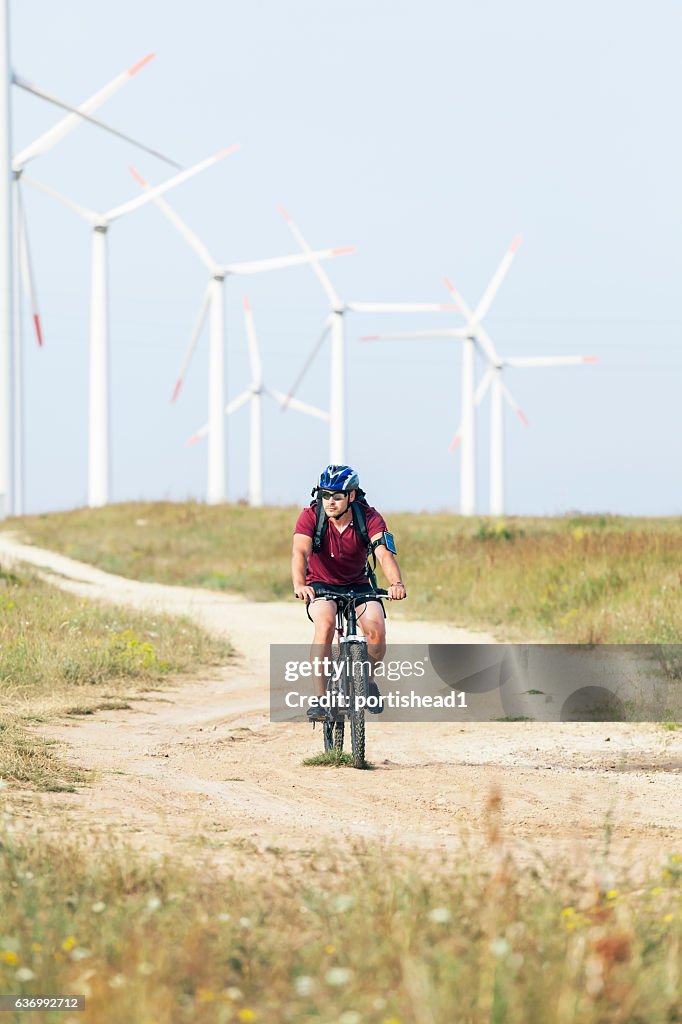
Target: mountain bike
(348,689)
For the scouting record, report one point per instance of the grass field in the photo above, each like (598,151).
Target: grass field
(61,655)
(373,937)
(581,579)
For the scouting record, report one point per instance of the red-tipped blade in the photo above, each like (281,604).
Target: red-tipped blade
(176,389)
(39,330)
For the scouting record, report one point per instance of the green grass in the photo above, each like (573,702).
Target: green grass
(369,937)
(332,759)
(61,655)
(579,579)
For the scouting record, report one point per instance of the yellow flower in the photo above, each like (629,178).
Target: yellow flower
(391,1020)
(578,533)
(675,858)
(246,1016)
(36,946)
(613,894)
(567,912)
(330,949)
(656,891)
(666,875)
(205,995)
(68,943)
(8,956)
(668,918)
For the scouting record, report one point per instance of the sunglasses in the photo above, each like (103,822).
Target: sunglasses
(336,495)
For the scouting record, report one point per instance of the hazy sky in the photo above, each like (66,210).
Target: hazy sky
(427,134)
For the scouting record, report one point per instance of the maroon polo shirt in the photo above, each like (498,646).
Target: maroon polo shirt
(343,556)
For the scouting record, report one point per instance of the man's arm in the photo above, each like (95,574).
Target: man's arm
(303,546)
(391,570)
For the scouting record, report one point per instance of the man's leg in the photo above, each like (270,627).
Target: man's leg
(323,614)
(372,623)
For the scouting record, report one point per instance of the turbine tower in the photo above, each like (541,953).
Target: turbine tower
(99,428)
(22,259)
(254,395)
(214,302)
(475,337)
(334,326)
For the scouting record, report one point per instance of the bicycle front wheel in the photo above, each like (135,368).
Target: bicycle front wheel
(356,666)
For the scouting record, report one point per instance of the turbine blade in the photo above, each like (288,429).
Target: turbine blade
(304,369)
(294,403)
(77,112)
(238,402)
(27,268)
(496,280)
(178,179)
(192,240)
(531,361)
(55,134)
(454,332)
(481,391)
(402,307)
(259,266)
(252,340)
(196,332)
(514,404)
(321,276)
(89,215)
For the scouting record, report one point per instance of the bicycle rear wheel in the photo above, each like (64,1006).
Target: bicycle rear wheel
(356,654)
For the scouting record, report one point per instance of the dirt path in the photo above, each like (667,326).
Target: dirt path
(202,764)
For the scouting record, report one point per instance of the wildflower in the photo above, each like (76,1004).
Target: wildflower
(675,858)
(391,1020)
(350,1017)
(118,981)
(440,915)
(98,907)
(568,912)
(246,1016)
(145,969)
(338,976)
(656,891)
(205,995)
(80,953)
(224,917)
(613,894)
(304,985)
(245,922)
(342,902)
(578,533)
(235,994)
(36,947)
(24,974)
(8,956)
(153,903)
(668,918)
(330,949)
(500,947)
(68,943)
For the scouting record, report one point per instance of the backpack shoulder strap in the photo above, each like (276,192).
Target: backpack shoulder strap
(320,523)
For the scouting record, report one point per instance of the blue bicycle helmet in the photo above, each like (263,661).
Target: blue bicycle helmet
(338,478)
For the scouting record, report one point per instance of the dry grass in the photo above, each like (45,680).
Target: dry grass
(580,579)
(372,937)
(63,655)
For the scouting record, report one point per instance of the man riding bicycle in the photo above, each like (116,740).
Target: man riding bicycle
(333,538)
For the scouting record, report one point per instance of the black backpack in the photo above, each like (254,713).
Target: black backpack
(358,510)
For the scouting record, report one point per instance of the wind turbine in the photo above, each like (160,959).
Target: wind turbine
(99,440)
(254,394)
(22,259)
(474,336)
(214,302)
(334,326)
